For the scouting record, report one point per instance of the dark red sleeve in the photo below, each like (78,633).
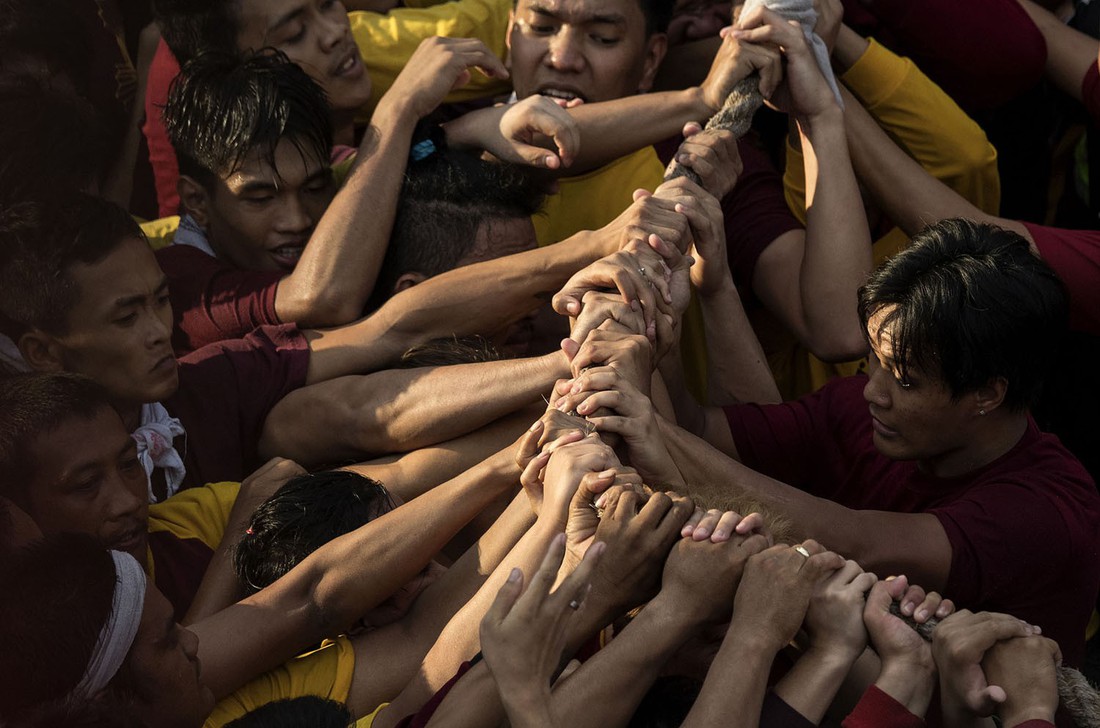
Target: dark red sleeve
(1090,92)
(803,443)
(775,713)
(876,709)
(755,211)
(421,718)
(1075,257)
(162,157)
(981,52)
(1033,724)
(212,300)
(227,391)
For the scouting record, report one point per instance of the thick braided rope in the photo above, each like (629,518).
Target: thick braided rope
(744,99)
(1080,699)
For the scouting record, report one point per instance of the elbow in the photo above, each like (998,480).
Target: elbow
(318,307)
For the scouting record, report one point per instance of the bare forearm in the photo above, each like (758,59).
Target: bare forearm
(403,409)
(733,692)
(880,541)
(336,273)
(625,668)
(737,370)
(1069,52)
(813,682)
(838,243)
(485,297)
(612,129)
(910,196)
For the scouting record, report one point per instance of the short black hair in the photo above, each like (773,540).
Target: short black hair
(49,32)
(57,596)
(445,198)
(191,27)
(225,105)
(306,711)
(32,405)
(51,140)
(40,242)
(303,515)
(971,302)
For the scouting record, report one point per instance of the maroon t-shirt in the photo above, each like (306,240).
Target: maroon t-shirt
(212,300)
(755,211)
(1024,530)
(1075,257)
(983,53)
(227,391)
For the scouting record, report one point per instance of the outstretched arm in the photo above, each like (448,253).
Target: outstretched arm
(813,289)
(336,584)
(398,410)
(336,273)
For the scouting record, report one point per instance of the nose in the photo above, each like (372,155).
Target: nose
(875,392)
(332,30)
(127,496)
(294,216)
(566,51)
(158,327)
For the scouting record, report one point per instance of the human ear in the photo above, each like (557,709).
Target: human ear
(195,200)
(41,351)
(408,280)
(991,396)
(656,47)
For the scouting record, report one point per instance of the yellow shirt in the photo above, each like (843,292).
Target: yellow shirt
(387,41)
(326,672)
(930,126)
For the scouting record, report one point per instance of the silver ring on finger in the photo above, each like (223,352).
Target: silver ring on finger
(802,550)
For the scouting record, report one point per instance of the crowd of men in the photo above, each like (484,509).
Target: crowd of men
(375,364)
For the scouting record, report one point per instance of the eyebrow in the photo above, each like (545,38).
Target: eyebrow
(257,185)
(285,19)
(611,18)
(138,298)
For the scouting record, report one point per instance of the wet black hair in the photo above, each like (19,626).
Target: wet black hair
(191,27)
(445,198)
(303,515)
(307,711)
(970,303)
(225,105)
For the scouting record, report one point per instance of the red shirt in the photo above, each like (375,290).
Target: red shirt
(983,53)
(1024,530)
(227,391)
(213,300)
(166,170)
(1075,257)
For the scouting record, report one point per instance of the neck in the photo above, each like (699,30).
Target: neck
(991,440)
(131,415)
(343,127)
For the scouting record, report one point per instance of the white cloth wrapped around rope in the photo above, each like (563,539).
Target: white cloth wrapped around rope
(803,12)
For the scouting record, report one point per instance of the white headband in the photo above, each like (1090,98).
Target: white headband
(117,635)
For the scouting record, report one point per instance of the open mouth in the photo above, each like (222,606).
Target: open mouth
(130,540)
(287,256)
(566,94)
(350,65)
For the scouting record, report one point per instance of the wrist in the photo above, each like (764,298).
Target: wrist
(393,113)
(830,118)
(909,683)
(1012,716)
(719,290)
(840,656)
(753,639)
(696,105)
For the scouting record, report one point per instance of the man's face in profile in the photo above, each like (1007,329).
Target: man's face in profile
(593,50)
